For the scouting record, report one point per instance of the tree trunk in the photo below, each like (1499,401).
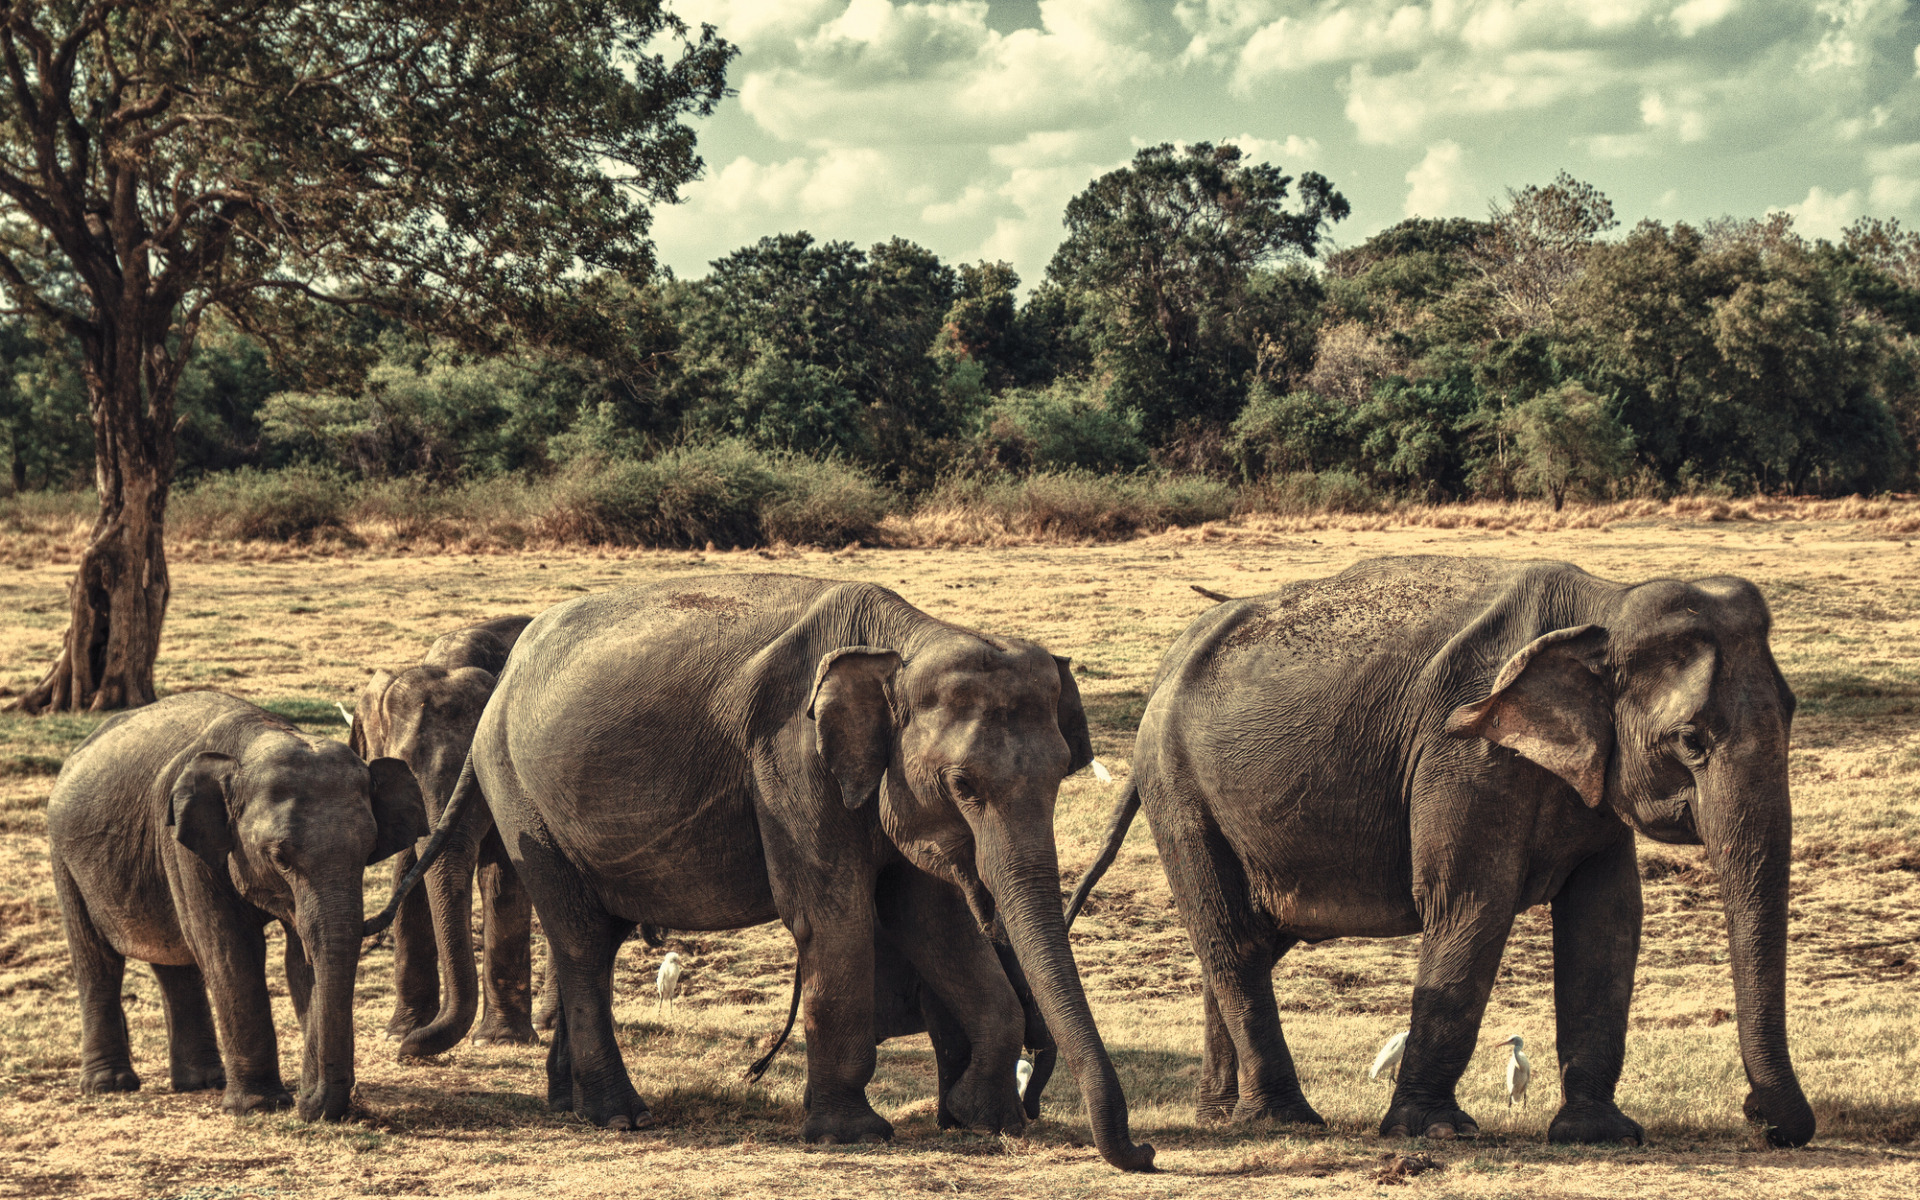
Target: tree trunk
(118,596)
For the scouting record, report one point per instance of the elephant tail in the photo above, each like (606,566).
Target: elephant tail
(761,1064)
(1116,833)
(465,793)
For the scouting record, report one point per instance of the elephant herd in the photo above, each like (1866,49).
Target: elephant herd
(1416,745)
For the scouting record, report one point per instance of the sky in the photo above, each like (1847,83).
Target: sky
(967,125)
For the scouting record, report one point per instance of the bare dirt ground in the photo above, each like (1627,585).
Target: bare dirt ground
(301,629)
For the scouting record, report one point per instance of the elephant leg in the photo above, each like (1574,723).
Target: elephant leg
(1466,914)
(1596,944)
(585,1069)
(1237,946)
(232,952)
(930,923)
(1037,1036)
(1220,1066)
(951,1053)
(837,969)
(416,960)
(507,967)
(193,1049)
(106,1055)
(549,1006)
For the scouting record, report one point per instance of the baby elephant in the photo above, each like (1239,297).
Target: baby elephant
(178,831)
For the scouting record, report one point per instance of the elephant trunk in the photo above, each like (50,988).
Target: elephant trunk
(331,937)
(449,888)
(1029,899)
(1746,822)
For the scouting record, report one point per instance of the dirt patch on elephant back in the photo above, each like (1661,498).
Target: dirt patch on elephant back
(1351,614)
(726,608)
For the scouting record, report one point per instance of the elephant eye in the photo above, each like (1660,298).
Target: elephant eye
(958,786)
(1692,747)
(277,855)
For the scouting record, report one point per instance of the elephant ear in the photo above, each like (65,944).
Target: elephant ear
(1551,706)
(198,809)
(366,736)
(399,811)
(1072,717)
(853,718)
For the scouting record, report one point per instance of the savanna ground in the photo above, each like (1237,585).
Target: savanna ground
(298,629)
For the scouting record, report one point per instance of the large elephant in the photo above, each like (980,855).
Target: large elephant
(178,831)
(712,753)
(1432,745)
(425,716)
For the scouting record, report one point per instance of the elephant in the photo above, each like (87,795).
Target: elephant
(715,752)
(1433,745)
(425,716)
(904,1006)
(177,832)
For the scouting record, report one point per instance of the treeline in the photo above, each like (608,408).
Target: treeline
(1192,322)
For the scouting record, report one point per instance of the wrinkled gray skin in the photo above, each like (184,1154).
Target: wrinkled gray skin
(425,717)
(716,752)
(1432,745)
(178,831)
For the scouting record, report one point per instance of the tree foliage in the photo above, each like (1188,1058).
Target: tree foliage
(453,163)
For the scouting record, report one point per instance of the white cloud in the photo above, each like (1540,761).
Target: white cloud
(1293,151)
(1823,214)
(1439,185)
(861,119)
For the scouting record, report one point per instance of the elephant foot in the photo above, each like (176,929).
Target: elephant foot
(1595,1123)
(328,1102)
(983,1108)
(241,1101)
(200,1078)
(625,1112)
(117,1078)
(1295,1111)
(1441,1123)
(846,1129)
(505,1031)
(543,1019)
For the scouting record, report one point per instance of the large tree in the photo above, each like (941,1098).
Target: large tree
(1163,253)
(455,163)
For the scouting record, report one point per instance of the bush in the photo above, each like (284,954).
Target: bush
(1064,427)
(1299,493)
(253,505)
(1080,505)
(1291,433)
(725,492)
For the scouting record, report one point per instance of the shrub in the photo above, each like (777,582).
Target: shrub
(1302,492)
(724,492)
(253,505)
(1064,427)
(1080,505)
(1290,433)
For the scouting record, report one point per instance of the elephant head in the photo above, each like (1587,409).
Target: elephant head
(294,823)
(426,716)
(963,746)
(1674,716)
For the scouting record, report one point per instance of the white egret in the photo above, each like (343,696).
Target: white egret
(667,983)
(1101,773)
(1388,1059)
(1021,1074)
(1519,1071)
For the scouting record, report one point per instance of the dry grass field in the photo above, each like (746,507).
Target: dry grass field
(298,629)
